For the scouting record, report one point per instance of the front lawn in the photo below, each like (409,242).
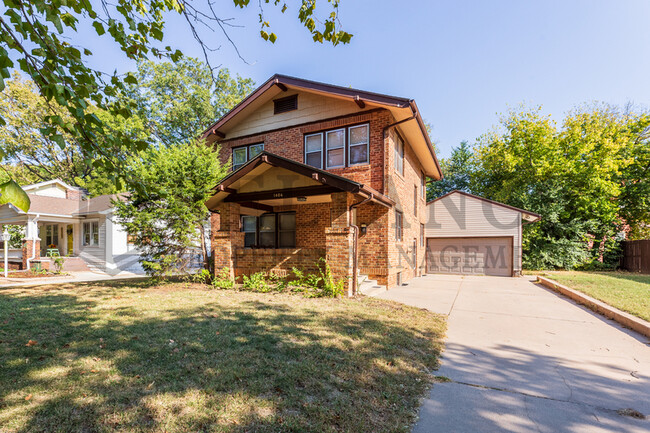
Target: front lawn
(148,357)
(623,290)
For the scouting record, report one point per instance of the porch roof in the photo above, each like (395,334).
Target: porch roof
(270,180)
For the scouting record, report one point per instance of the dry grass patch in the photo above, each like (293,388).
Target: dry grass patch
(149,357)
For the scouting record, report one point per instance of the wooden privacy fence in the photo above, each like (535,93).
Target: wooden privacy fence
(636,256)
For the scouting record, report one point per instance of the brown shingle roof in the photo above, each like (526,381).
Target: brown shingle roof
(68,207)
(53,205)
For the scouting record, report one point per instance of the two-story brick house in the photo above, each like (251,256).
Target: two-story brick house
(322,171)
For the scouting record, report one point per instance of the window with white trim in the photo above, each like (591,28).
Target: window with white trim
(337,148)
(90,234)
(423,187)
(242,154)
(314,150)
(399,221)
(335,145)
(399,154)
(358,145)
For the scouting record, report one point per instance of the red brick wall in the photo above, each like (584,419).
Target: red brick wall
(400,189)
(289,143)
(73,194)
(279,261)
(380,256)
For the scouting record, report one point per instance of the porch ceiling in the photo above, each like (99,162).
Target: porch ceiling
(270,180)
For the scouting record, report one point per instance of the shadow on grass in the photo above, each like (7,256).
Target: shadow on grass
(243,366)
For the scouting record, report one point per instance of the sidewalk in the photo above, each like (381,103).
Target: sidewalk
(73,277)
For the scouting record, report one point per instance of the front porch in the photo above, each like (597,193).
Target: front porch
(274,214)
(42,239)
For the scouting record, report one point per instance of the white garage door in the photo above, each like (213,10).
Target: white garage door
(479,256)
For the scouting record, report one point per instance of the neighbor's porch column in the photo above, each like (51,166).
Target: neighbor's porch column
(226,237)
(339,240)
(31,242)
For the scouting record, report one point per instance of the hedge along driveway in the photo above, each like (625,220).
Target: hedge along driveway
(141,356)
(623,290)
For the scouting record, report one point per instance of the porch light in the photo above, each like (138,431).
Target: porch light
(302,198)
(363,227)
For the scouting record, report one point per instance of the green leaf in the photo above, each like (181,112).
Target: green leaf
(99,28)
(11,192)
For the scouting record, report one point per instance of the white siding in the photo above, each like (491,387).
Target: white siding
(311,108)
(458,215)
(52,190)
(95,255)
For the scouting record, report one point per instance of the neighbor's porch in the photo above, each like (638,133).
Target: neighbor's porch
(43,237)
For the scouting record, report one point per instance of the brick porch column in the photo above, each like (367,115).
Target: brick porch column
(226,237)
(27,250)
(339,240)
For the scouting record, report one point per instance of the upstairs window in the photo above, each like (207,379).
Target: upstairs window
(337,148)
(314,150)
(415,200)
(335,143)
(399,221)
(270,230)
(423,187)
(241,155)
(399,154)
(358,148)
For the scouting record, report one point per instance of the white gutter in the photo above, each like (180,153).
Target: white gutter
(34,221)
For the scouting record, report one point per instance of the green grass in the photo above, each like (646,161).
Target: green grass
(147,357)
(625,291)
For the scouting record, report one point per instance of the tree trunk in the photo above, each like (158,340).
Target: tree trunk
(204,248)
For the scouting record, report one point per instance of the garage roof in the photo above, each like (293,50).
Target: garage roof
(526,215)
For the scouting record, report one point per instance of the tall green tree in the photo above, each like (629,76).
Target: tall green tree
(458,171)
(36,156)
(35,35)
(571,175)
(178,101)
(167,217)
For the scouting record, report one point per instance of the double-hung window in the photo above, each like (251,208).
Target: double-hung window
(51,235)
(335,144)
(314,150)
(358,145)
(241,155)
(399,154)
(270,230)
(91,234)
(415,200)
(399,221)
(423,187)
(337,148)
(249,227)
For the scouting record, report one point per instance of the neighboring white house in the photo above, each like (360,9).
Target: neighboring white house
(81,229)
(467,234)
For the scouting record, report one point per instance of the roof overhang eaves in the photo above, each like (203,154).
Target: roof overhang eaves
(313,86)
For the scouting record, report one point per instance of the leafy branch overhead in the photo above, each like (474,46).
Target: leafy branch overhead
(35,37)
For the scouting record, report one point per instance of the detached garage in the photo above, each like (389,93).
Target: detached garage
(467,234)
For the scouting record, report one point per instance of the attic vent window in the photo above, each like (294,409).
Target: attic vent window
(283,105)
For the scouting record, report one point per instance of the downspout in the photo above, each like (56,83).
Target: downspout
(355,244)
(34,221)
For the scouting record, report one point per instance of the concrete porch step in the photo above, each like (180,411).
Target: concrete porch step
(371,288)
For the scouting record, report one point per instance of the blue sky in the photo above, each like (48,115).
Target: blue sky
(464,62)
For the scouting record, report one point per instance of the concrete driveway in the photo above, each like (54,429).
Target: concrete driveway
(521,358)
